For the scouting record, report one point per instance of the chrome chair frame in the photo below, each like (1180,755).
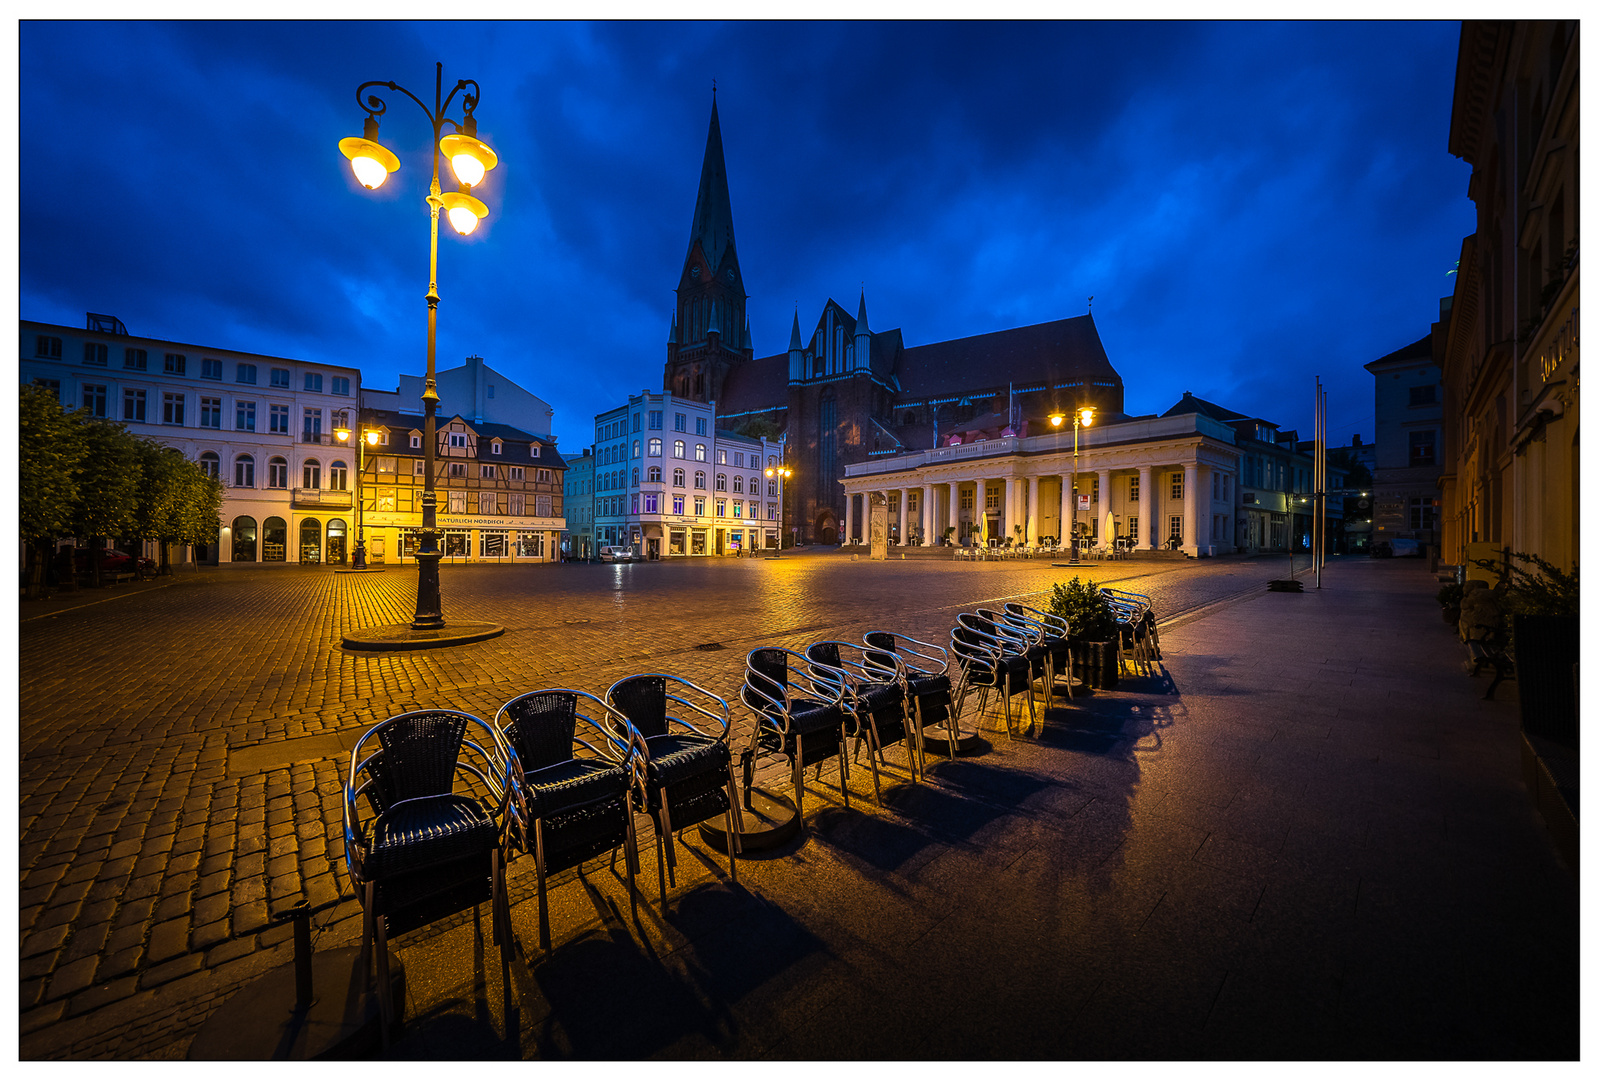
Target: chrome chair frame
(777,715)
(618,751)
(994,646)
(499,780)
(666,855)
(1053,631)
(1033,635)
(903,654)
(858,678)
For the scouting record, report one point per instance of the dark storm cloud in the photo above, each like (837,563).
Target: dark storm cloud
(1248,204)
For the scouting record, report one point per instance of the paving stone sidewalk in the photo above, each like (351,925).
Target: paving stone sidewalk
(156,835)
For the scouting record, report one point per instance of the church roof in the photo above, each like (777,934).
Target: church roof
(755,386)
(713,208)
(1051,353)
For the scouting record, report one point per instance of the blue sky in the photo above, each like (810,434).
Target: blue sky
(1249,204)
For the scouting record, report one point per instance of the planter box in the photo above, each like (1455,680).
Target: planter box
(1096,663)
(1546,676)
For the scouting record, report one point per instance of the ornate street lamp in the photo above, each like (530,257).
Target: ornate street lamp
(369,437)
(784,472)
(470,159)
(1081,418)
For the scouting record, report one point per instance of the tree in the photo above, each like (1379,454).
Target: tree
(176,502)
(51,449)
(758,427)
(108,486)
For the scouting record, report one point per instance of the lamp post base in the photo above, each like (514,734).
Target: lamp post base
(402,637)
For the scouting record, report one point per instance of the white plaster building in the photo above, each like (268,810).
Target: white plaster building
(667,482)
(261,424)
(1156,478)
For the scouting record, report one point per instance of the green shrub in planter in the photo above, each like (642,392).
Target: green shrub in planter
(1087,616)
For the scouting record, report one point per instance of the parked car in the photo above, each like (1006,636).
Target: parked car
(113,561)
(617,553)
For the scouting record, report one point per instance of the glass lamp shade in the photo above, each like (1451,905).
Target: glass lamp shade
(342,434)
(469,157)
(371,161)
(1088,417)
(464,211)
(371,438)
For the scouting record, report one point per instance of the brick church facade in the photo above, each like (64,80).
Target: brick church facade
(847,393)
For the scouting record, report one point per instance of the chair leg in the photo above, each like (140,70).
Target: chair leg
(630,858)
(1004,694)
(732,835)
(736,810)
(671,851)
(368,931)
(660,864)
(799,777)
(1032,714)
(385,1004)
(538,862)
(874,750)
(843,767)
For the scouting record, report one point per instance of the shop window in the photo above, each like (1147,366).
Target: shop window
(244,539)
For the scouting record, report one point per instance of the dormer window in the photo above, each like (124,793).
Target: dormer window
(494,447)
(458,440)
(533,450)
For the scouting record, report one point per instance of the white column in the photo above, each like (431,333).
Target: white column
(928,526)
(1032,508)
(1146,509)
(849,515)
(1207,506)
(1066,481)
(1103,503)
(980,509)
(1191,508)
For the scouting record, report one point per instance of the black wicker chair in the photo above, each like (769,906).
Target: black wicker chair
(1052,633)
(687,774)
(1031,635)
(798,715)
(1135,621)
(427,851)
(991,656)
(924,669)
(876,700)
(578,807)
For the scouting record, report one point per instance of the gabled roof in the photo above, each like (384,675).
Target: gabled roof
(1419,350)
(1192,404)
(1052,353)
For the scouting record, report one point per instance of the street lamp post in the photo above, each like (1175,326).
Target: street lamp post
(782,472)
(1081,417)
(369,437)
(470,159)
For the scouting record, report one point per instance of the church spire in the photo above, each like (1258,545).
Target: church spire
(860,316)
(794,343)
(713,208)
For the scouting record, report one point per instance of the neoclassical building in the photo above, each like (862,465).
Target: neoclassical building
(1151,479)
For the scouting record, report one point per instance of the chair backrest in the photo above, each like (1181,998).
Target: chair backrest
(541,727)
(824,652)
(766,670)
(642,699)
(420,751)
(881,649)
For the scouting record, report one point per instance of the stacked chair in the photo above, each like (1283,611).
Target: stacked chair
(1031,633)
(577,805)
(1052,632)
(426,850)
(923,669)
(991,656)
(1135,621)
(686,773)
(799,714)
(876,702)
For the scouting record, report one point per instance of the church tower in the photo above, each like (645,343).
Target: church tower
(710,331)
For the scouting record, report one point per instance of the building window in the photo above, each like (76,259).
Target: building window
(699,425)
(415,442)
(176,363)
(341,386)
(654,475)
(544,476)
(677,477)
(991,498)
(632,503)
(244,373)
(210,465)
(50,348)
(277,473)
(699,506)
(210,369)
(338,476)
(244,471)
(721,481)
(738,460)
(311,474)
(458,470)
(738,508)
(721,507)
(652,503)
(278,419)
(544,505)
(313,381)
(655,420)
(968,498)
(133,405)
(1132,527)
(699,451)
(677,448)
(94,353)
(677,504)
(530,545)
(679,420)
(486,503)
(419,467)
(244,416)
(533,450)
(172,409)
(280,378)
(1424,395)
(771,487)
(516,472)
(635,476)
(699,480)
(1421,513)
(94,399)
(1132,489)
(52,385)
(1421,447)
(211,412)
(494,447)
(1175,532)
(655,448)
(738,486)
(135,359)
(1176,485)
(458,440)
(457,502)
(771,511)
(516,504)
(721,457)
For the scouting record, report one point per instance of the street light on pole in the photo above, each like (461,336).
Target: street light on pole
(781,472)
(470,159)
(1082,417)
(369,437)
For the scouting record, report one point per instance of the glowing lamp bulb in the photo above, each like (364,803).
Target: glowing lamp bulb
(463,219)
(468,169)
(371,438)
(1088,417)
(369,171)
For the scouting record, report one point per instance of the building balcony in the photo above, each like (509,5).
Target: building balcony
(312,498)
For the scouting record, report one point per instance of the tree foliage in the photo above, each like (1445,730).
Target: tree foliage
(758,427)
(51,449)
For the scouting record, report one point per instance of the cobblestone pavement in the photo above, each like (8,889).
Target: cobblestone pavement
(181,746)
